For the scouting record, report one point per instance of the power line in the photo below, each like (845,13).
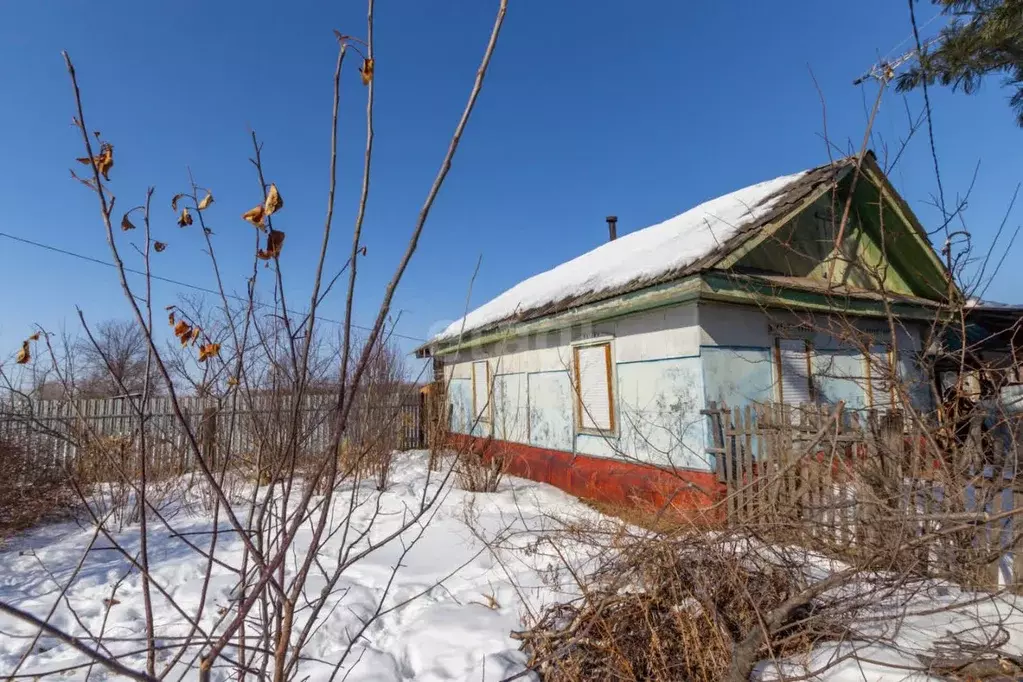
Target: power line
(930,127)
(179,283)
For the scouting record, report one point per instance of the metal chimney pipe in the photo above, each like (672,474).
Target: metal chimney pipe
(612,227)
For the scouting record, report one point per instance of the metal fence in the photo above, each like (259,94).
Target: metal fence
(53,432)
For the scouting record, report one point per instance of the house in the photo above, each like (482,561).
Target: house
(816,287)
(989,347)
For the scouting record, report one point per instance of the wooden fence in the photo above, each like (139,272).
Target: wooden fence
(860,482)
(54,431)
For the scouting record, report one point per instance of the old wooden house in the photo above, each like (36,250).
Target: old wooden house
(816,287)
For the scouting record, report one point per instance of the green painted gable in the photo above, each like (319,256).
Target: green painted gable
(882,249)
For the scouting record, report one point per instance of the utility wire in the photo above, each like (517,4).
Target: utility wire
(179,283)
(930,133)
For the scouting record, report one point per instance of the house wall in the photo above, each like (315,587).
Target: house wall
(668,364)
(656,380)
(737,348)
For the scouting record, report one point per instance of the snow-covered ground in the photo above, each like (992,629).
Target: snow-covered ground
(892,639)
(459,629)
(484,563)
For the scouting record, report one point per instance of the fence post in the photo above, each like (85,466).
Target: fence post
(991,538)
(748,473)
(1015,536)
(209,436)
(729,462)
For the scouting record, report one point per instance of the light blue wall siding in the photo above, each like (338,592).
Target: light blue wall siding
(668,365)
(737,376)
(840,374)
(462,418)
(742,376)
(460,397)
(550,410)
(601,446)
(916,381)
(660,421)
(511,414)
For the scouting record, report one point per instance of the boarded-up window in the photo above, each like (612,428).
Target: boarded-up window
(594,393)
(792,364)
(882,377)
(481,391)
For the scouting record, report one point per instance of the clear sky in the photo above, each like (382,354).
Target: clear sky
(642,109)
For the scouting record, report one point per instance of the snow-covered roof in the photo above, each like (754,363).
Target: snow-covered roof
(641,258)
(978,303)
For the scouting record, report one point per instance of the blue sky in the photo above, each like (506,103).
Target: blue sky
(640,109)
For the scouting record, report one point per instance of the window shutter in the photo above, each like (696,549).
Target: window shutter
(594,401)
(480,390)
(879,370)
(794,371)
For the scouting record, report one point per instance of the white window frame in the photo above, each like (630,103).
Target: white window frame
(482,413)
(612,392)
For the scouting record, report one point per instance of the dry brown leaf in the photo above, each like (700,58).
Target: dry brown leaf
(255,216)
(126,224)
(170,318)
(366,71)
(195,334)
(273,202)
(208,350)
(206,201)
(34,337)
(185,218)
(274,242)
(174,202)
(23,355)
(183,331)
(104,160)
(231,381)
(159,246)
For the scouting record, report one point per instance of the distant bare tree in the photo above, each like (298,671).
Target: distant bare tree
(115,363)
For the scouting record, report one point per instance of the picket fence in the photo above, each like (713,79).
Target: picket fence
(53,431)
(853,480)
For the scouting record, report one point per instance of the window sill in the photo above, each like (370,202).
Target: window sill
(597,432)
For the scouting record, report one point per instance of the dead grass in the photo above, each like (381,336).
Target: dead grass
(369,461)
(665,609)
(657,520)
(30,494)
(478,473)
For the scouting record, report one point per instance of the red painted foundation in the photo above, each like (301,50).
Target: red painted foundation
(682,492)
